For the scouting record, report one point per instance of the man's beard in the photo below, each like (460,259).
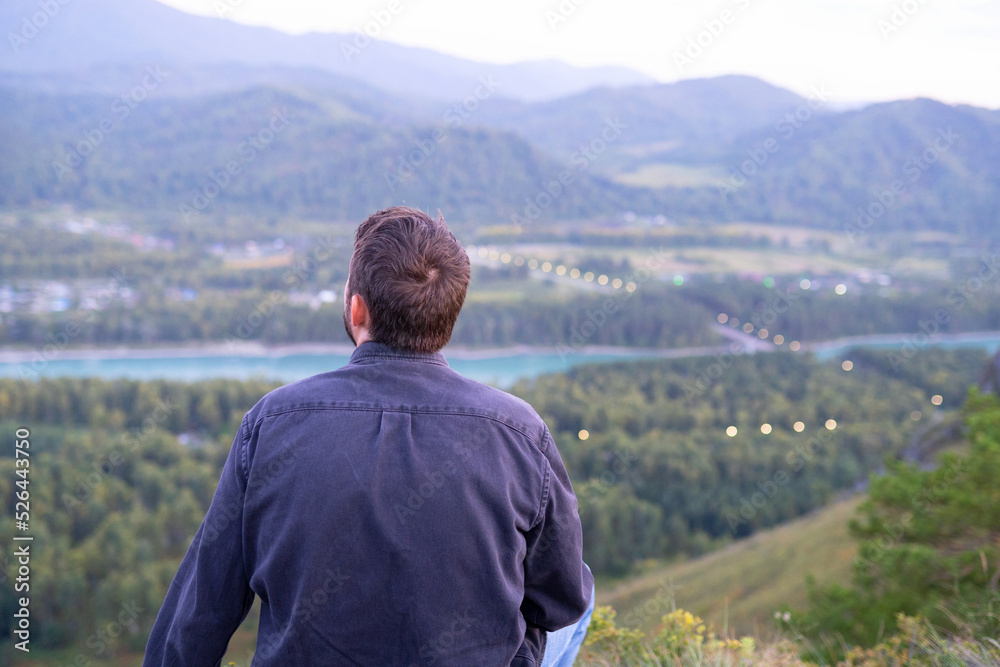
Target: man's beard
(347,321)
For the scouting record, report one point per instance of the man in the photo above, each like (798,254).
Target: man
(391,512)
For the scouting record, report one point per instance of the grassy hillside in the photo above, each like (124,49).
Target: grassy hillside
(749,580)
(754,577)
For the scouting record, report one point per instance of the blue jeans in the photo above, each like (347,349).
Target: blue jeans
(562,645)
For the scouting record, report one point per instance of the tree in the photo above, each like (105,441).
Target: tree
(930,543)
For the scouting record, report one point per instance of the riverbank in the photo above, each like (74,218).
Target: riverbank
(251,349)
(259,350)
(501,366)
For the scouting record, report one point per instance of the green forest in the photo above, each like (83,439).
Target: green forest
(123,471)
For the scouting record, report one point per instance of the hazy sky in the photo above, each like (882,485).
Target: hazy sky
(861,50)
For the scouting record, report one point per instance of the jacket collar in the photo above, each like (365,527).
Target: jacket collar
(372,350)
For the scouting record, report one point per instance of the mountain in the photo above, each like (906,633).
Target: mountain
(273,152)
(72,38)
(350,148)
(905,165)
(683,121)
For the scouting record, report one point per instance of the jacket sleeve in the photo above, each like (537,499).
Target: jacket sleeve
(210,594)
(557,584)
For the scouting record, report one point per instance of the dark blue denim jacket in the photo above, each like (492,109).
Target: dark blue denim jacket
(391,512)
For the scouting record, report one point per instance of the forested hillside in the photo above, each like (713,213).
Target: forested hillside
(272,152)
(663,469)
(691,120)
(122,471)
(694,152)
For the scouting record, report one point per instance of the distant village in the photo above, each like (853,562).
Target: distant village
(36,296)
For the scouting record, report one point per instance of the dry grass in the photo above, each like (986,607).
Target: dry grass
(740,587)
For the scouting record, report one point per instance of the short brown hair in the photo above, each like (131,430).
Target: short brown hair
(413,275)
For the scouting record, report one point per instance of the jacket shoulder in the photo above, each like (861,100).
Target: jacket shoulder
(502,406)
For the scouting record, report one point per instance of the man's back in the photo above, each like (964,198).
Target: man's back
(389,513)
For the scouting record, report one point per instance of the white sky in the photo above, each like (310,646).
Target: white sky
(945,49)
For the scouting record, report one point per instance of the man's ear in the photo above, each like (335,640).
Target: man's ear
(359,312)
